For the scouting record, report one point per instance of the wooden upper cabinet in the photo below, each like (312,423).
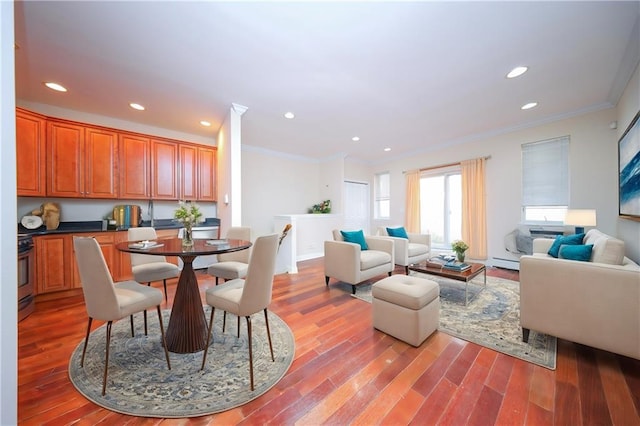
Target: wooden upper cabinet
(65,151)
(164,170)
(207,174)
(101,154)
(31,154)
(134,167)
(188,172)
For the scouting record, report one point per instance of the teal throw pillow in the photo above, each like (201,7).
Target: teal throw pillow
(573,240)
(577,252)
(355,237)
(397,232)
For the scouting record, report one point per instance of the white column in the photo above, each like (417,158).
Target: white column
(235,151)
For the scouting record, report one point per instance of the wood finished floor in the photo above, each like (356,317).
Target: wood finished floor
(345,372)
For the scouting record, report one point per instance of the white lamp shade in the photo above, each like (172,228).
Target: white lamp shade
(580,217)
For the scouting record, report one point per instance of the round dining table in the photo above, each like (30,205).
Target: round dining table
(187,329)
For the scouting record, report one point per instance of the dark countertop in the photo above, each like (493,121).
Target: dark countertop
(96,226)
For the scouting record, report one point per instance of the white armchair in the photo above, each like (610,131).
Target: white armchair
(347,262)
(409,251)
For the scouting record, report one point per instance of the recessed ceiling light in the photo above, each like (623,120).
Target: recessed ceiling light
(289,115)
(355,138)
(529,105)
(517,72)
(205,123)
(55,86)
(136,106)
(387,149)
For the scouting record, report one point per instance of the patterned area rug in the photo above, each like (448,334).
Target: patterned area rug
(140,384)
(491,319)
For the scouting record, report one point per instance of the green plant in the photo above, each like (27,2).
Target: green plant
(323,207)
(188,213)
(459,246)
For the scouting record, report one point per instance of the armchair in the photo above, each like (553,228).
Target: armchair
(415,249)
(347,262)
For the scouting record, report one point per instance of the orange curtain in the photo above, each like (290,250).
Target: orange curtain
(412,206)
(474,216)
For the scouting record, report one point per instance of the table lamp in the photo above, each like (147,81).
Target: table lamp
(580,218)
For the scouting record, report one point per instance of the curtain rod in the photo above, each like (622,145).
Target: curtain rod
(440,166)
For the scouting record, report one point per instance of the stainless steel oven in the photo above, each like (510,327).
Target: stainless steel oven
(26,276)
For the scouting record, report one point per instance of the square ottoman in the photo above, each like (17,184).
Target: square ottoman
(406,307)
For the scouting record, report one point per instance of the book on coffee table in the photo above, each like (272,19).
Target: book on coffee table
(456,266)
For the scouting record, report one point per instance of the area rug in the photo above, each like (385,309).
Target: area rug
(491,319)
(140,384)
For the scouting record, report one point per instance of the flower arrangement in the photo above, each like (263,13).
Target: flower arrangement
(323,207)
(188,214)
(459,246)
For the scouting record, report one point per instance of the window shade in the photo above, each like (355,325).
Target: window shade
(545,173)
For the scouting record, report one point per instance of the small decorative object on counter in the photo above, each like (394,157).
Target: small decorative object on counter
(50,213)
(459,247)
(188,214)
(323,207)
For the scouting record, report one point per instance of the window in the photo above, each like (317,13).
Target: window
(545,180)
(441,205)
(382,196)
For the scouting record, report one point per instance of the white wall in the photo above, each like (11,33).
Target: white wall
(628,107)
(8,255)
(276,184)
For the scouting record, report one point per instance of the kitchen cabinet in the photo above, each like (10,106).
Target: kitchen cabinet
(207,174)
(197,173)
(53,271)
(30,154)
(81,161)
(164,170)
(134,167)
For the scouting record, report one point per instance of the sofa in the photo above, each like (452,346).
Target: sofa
(594,302)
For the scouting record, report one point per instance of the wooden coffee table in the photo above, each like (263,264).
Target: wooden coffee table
(466,276)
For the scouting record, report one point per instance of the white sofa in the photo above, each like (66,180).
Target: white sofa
(409,251)
(595,303)
(348,263)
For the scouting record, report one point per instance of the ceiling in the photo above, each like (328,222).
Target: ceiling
(411,76)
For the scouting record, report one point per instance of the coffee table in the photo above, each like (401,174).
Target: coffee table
(465,276)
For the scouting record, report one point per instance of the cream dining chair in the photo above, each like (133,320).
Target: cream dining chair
(231,266)
(244,297)
(147,268)
(106,301)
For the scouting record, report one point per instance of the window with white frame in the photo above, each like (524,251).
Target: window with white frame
(382,195)
(441,205)
(545,180)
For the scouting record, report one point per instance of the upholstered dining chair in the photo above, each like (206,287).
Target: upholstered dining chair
(147,268)
(245,297)
(106,301)
(231,266)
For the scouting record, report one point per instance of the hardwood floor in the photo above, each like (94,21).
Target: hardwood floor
(345,372)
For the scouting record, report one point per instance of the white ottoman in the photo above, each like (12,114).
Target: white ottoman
(407,308)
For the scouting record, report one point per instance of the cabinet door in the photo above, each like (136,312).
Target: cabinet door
(53,265)
(65,150)
(206,174)
(188,172)
(133,163)
(101,153)
(30,154)
(164,170)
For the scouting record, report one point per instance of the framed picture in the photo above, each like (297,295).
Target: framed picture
(629,171)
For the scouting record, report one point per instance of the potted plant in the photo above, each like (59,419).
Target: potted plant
(459,247)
